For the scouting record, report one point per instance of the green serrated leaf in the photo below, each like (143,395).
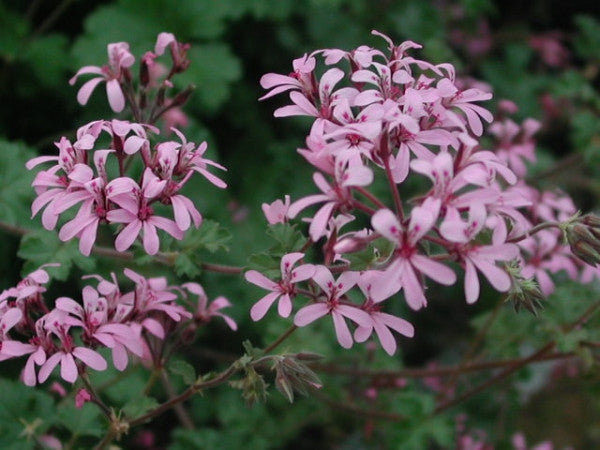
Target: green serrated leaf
(265,263)
(210,236)
(184,369)
(288,237)
(42,247)
(185,267)
(84,421)
(138,406)
(212,70)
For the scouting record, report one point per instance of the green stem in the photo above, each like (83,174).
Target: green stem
(546,349)
(189,392)
(280,339)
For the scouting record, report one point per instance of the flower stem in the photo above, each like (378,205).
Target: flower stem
(280,339)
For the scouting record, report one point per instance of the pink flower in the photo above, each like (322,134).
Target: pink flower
(152,294)
(284,290)
(381,322)
(119,59)
(205,311)
(81,398)
(137,213)
(93,317)
(336,196)
(322,107)
(407,262)
(68,367)
(332,302)
(481,257)
(301,78)
(276,212)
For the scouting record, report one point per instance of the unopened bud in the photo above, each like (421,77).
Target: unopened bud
(583,236)
(182,96)
(524,292)
(293,376)
(349,245)
(308,356)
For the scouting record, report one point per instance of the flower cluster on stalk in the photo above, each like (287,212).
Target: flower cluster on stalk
(387,115)
(136,323)
(96,172)
(116,173)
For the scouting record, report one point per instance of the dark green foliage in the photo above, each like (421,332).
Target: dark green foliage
(232,44)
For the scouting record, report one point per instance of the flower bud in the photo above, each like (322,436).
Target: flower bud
(523,293)
(182,96)
(349,245)
(292,375)
(583,236)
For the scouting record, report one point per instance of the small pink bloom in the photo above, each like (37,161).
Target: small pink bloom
(334,305)
(119,59)
(276,212)
(81,398)
(283,290)
(205,311)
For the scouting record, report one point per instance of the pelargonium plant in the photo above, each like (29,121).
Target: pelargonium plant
(404,177)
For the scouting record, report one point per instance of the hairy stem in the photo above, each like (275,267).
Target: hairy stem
(546,349)
(189,392)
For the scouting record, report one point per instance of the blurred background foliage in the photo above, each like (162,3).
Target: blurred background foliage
(542,54)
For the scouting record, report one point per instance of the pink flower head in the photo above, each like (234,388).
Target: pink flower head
(407,263)
(81,398)
(205,311)
(178,51)
(119,59)
(153,294)
(137,213)
(300,79)
(276,212)
(191,158)
(381,322)
(284,290)
(57,323)
(332,301)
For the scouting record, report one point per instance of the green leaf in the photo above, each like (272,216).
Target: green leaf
(265,263)
(289,238)
(210,236)
(212,70)
(185,267)
(22,407)
(42,247)
(586,42)
(46,48)
(84,421)
(586,136)
(568,342)
(184,369)
(13,30)
(16,193)
(139,406)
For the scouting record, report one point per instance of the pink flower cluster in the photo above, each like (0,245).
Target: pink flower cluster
(93,172)
(82,176)
(70,334)
(392,117)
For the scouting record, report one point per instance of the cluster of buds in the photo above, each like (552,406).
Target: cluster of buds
(84,173)
(147,100)
(392,116)
(583,236)
(135,323)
